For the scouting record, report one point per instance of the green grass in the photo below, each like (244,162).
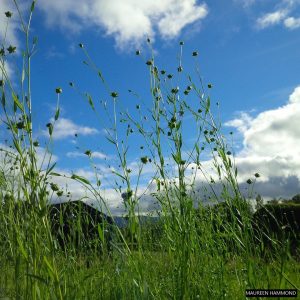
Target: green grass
(192,253)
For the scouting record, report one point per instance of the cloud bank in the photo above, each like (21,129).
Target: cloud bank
(271,148)
(65,128)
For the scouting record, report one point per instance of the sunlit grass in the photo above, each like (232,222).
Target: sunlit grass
(190,252)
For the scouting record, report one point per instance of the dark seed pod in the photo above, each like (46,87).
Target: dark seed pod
(11,49)
(54,187)
(8,14)
(144,159)
(20,125)
(149,62)
(175,90)
(88,152)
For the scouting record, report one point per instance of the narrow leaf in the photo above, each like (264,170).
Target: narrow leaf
(32,6)
(17,102)
(54,174)
(17,146)
(101,233)
(80,178)
(111,140)
(50,169)
(118,174)
(56,114)
(91,103)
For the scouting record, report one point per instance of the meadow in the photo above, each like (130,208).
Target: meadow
(191,251)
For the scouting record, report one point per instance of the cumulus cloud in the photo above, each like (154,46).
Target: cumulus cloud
(128,22)
(242,123)
(282,15)
(65,128)
(292,23)
(96,154)
(271,19)
(271,147)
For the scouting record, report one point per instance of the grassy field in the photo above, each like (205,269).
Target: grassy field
(190,253)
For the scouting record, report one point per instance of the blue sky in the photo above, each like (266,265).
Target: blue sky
(248,50)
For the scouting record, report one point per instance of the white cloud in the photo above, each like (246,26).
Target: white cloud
(128,22)
(271,19)
(96,154)
(185,13)
(65,128)
(6,70)
(111,197)
(10,32)
(242,123)
(271,145)
(42,155)
(281,15)
(292,23)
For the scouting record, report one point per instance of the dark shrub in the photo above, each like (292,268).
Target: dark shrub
(279,223)
(79,225)
(228,222)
